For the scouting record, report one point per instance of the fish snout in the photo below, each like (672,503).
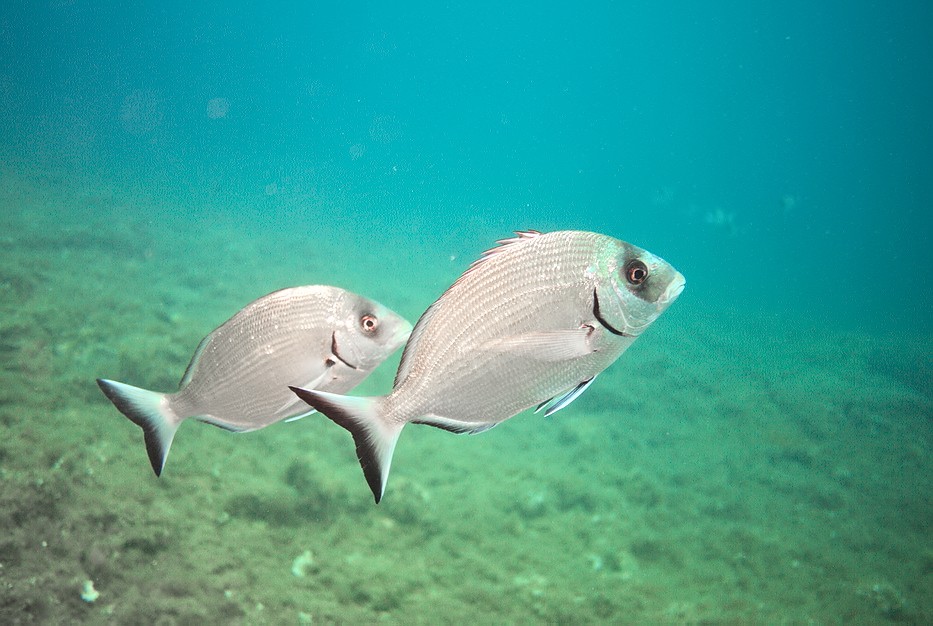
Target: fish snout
(403,330)
(673,290)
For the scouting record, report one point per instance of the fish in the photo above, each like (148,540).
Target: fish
(529,324)
(316,336)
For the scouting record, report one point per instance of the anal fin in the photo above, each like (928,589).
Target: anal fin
(300,415)
(455,426)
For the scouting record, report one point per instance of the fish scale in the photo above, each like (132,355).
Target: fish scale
(515,287)
(531,323)
(227,385)
(239,375)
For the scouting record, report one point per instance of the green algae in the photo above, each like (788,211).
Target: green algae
(708,477)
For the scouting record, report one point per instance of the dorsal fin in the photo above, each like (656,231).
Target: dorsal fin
(503,244)
(193,364)
(412,346)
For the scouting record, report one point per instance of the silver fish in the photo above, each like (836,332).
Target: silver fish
(315,336)
(532,322)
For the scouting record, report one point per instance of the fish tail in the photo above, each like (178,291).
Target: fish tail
(148,410)
(374,436)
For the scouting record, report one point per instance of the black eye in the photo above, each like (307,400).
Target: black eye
(369,323)
(636,272)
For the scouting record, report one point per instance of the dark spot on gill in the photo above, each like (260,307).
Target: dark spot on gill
(602,320)
(336,353)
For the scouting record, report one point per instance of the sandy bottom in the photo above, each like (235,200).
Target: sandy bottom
(726,470)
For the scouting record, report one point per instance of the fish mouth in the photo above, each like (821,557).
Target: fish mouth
(402,333)
(336,353)
(602,320)
(673,290)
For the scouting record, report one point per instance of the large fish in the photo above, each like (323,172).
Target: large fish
(530,323)
(315,336)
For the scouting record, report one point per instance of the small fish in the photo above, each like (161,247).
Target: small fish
(532,322)
(315,336)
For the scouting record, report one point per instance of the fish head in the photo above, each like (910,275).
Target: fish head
(367,333)
(633,287)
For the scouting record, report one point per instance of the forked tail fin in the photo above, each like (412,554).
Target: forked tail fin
(149,411)
(375,438)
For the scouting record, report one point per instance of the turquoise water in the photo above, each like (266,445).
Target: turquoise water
(761,455)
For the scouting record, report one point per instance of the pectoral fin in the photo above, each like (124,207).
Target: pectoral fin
(551,345)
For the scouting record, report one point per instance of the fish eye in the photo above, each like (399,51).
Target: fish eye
(636,272)
(369,323)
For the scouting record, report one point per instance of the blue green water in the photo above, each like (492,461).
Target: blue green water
(761,455)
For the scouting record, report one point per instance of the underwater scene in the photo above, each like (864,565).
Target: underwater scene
(763,454)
